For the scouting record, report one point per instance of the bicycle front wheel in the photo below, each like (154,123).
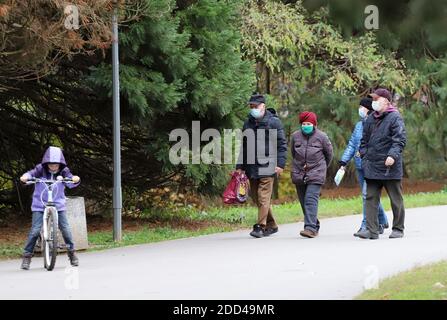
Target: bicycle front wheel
(49,243)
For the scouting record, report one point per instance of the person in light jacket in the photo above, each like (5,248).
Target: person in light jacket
(352,151)
(53,165)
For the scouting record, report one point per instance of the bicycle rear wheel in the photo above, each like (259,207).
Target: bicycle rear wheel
(49,245)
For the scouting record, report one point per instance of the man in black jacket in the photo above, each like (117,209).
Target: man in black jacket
(381,149)
(263,156)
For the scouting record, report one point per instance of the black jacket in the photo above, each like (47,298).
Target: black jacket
(253,160)
(383,137)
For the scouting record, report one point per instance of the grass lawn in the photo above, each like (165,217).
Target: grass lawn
(328,208)
(220,219)
(423,283)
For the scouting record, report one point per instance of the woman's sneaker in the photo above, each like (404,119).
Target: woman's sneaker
(381,230)
(26,261)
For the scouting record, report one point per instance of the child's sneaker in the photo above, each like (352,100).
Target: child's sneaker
(26,261)
(74,261)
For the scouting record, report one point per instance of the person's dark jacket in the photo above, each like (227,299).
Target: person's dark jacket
(383,136)
(277,157)
(312,155)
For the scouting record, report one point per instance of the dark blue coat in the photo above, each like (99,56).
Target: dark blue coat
(276,157)
(383,137)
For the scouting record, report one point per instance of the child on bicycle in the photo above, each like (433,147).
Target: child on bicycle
(53,165)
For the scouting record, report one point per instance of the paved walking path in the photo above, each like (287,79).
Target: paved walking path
(235,266)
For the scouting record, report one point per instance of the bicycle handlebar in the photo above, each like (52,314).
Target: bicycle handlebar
(38,180)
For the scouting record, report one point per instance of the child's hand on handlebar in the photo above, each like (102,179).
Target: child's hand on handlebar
(24,178)
(74,179)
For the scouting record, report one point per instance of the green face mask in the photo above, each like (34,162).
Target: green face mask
(308,129)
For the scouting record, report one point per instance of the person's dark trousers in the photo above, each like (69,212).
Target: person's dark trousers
(373,192)
(309,195)
(37,226)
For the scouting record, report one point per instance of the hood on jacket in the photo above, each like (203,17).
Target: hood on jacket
(54,155)
(391,108)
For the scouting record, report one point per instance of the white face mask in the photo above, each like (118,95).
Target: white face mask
(362,113)
(376,105)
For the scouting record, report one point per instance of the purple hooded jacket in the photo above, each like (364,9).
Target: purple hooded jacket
(52,155)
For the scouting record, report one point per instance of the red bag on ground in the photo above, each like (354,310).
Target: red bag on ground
(237,189)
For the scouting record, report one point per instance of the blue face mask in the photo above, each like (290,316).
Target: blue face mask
(362,113)
(256,113)
(307,129)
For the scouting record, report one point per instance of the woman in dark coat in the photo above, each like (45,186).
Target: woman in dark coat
(312,152)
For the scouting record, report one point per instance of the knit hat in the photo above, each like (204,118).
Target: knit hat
(307,116)
(367,103)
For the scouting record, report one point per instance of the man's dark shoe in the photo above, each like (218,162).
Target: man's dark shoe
(74,261)
(357,233)
(258,231)
(381,228)
(306,233)
(386,226)
(396,234)
(366,234)
(269,231)
(26,261)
